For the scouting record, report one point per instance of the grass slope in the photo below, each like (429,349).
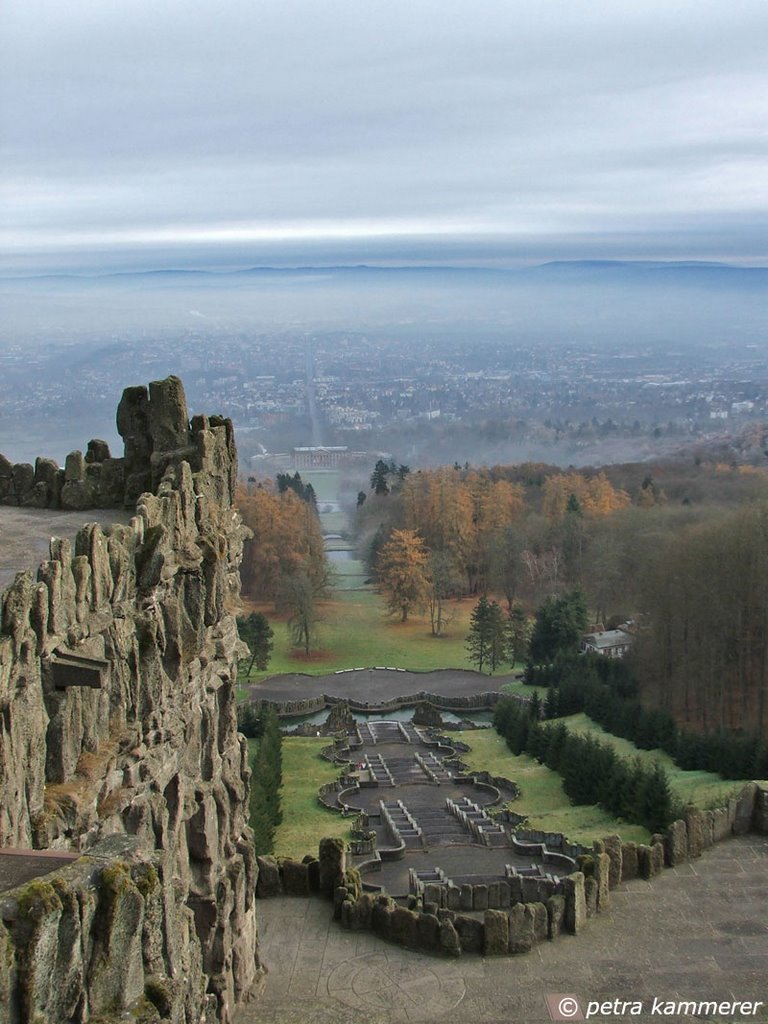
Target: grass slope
(305,822)
(542,798)
(704,789)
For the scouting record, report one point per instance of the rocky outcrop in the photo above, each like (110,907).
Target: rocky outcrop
(117,710)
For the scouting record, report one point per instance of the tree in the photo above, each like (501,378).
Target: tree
(402,572)
(558,626)
(443,580)
(518,630)
(485,640)
(299,595)
(506,560)
(255,631)
(265,812)
(381,471)
(286,539)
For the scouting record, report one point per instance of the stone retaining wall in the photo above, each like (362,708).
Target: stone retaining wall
(117,717)
(310,705)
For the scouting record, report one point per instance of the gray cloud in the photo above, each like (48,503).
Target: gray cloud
(125,120)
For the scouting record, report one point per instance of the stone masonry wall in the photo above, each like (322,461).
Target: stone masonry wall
(117,718)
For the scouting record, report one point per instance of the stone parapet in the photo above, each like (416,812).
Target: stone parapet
(117,686)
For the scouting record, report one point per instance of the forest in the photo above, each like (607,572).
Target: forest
(679,549)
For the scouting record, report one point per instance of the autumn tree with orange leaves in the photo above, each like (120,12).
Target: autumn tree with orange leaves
(402,573)
(287,541)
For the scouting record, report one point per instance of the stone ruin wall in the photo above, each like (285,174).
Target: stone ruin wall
(117,719)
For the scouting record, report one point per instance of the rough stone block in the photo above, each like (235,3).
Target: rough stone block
(644,861)
(721,825)
(656,858)
(295,878)
(453,898)
(74,467)
(602,878)
(479,897)
(23,476)
(590,894)
(381,919)
(433,893)
(38,497)
(515,883)
(341,893)
(742,809)
(538,913)
(449,939)
(493,895)
(97,451)
(470,932)
(428,932)
(629,868)
(555,916)
(708,833)
(333,864)
(313,872)
(504,896)
(760,813)
(404,927)
(676,844)
(614,849)
(520,929)
(268,882)
(495,933)
(530,889)
(466,897)
(575,903)
(694,827)
(361,913)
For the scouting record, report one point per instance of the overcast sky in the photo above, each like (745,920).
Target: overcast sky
(621,127)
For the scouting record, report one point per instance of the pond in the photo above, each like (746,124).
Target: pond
(400,715)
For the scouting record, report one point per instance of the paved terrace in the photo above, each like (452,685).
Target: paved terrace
(25,534)
(696,932)
(374,685)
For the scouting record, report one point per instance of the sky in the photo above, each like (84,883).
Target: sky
(184,132)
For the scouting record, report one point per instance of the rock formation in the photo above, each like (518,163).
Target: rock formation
(117,719)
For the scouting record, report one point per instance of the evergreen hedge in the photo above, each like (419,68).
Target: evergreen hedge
(267,765)
(592,772)
(605,689)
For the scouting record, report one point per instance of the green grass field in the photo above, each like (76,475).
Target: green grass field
(355,631)
(542,798)
(704,789)
(324,481)
(305,821)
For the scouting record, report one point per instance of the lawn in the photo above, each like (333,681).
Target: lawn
(356,632)
(542,798)
(324,481)
(305,821)
(704,789)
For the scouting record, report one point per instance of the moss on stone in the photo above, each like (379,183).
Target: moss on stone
(36,899)
(116,878)
(146,879)
(354,882)
(144,1011)
(586,864)
(158,991)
